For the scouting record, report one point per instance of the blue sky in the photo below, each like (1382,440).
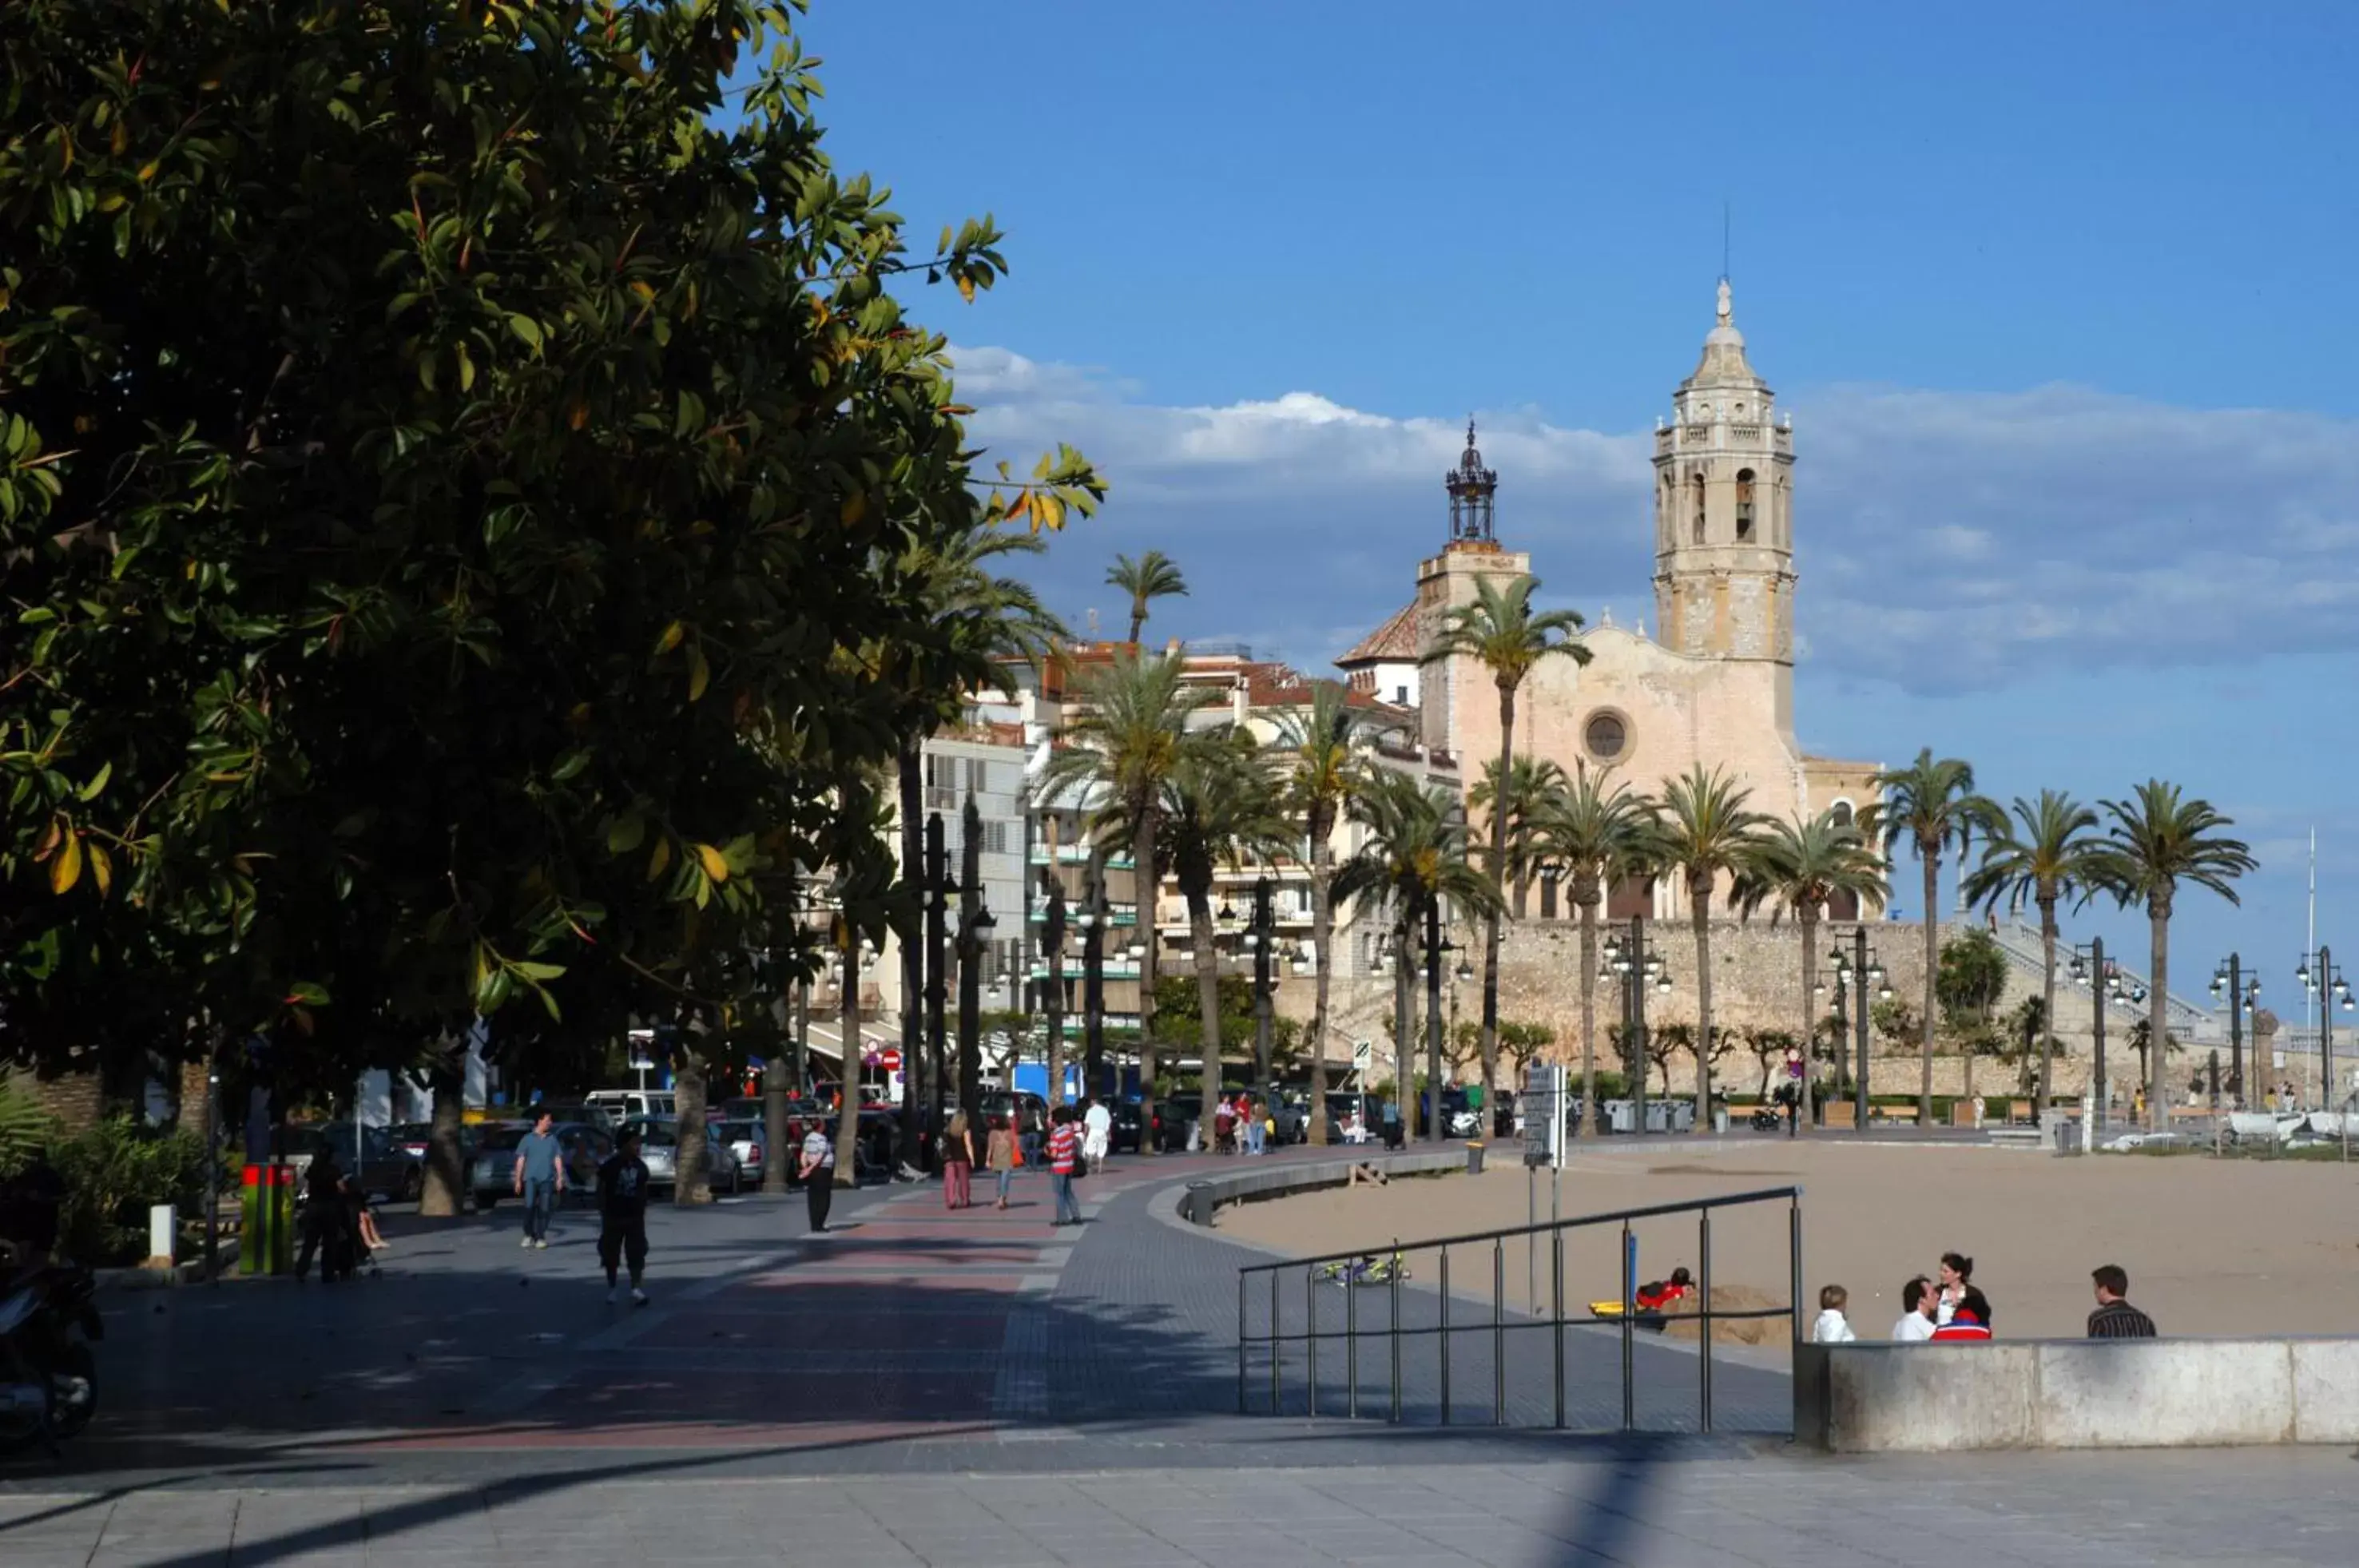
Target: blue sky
(2057,296)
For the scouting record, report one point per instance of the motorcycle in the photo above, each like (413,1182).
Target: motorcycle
(49,1376)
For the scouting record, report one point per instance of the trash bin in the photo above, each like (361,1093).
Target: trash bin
(1474,1158)
(1621,1115)
(2064,1136)
(267,1244)
(1720,1118)
(1196,1205)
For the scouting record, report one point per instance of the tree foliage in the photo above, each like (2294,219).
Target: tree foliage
(467,502)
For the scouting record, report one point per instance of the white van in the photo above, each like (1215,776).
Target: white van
(622,1104)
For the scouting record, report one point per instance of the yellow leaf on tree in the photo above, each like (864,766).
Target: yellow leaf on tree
(855,507)
(1021,507)
(714,865)
(671,637)
(967,289)
(66,869)
(700,674)
(1048,512)
(659,859)
(101,868)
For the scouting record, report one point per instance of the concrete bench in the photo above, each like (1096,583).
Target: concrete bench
(1873,1398)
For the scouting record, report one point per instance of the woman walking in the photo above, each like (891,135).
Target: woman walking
(999,1156)
(957,1163)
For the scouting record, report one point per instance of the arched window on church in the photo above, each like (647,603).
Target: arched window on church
(1744,506)
(1695,493)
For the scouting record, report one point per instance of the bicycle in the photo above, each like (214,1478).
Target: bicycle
(1366,1270)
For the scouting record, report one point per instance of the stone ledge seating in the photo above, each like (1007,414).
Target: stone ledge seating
(2075,1393)
(1207,1194)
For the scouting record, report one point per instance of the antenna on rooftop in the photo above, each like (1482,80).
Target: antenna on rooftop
(1723,239)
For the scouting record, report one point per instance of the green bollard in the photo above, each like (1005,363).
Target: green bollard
(267,1243)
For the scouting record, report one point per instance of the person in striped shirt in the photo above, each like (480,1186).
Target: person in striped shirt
(1065,1157)
(2114,1317)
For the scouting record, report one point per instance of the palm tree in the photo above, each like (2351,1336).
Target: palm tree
(2159,838)
(1319,772)
(978,617)
(1130,737)
(1706,834)
(1594,835)
(2047,851)
(1219,805)
(1412,857)
(1502,632)
(1803,865)
(1930,805)
(1531,780)
(1152,576)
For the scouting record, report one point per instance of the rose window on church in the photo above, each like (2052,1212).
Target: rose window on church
(1607,737)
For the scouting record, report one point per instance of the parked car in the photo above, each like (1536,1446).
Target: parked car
(621,1106)
(1029,1110)
(660,1147)
(385,1167)
(1291,1114)
(581,1147)
(748,1143)
(582,1111)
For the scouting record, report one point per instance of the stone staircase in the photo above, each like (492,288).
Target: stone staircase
(2188,1024)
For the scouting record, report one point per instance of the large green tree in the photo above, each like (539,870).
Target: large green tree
(1130,733)
(1500,630)
(1532,783)
(454,479)
(1219,808)
(1706,834)
(1928,805)
(1596,832)
(2155,840)
(2041,853)
(1316,757)
(1802,866)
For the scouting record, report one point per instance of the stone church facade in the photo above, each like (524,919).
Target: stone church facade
(1713,686)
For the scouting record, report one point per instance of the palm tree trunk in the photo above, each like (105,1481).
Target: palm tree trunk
(1208,1002)
(1137,621)
(910,926)
(1932,858)
(1499,886)
(1807,917)
(1403,1034)
(1585,894)
(1147,892)
(691,1181)
(847,1119)
(1700,911)
(2157,1056)
(1322,931)
(2047,1006)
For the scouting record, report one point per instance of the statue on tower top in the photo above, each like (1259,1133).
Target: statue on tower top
(1725,312)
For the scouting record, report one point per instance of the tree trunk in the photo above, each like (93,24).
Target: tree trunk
(1403,1034)
(1208,1006)
(1523,895)
(1700,911)
(1931,856)
(1436,1126)
(2047,1006)
(1137,623)
(1498,887)
(970,953)
(847,1118)
(1322,934)
(1053,1004)
(445,1193)
(1807,917)
(2158,1033)
(196,1084)
(1147,892)
(1585,894)
(691,1183)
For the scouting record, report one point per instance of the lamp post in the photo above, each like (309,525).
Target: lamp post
(1636,964)
(2242,992)
(1053,987)
(1392,957)
(1858,968)
(1092,921)
(2323,978)
(2106,983)
(1261,940)
(1436,944)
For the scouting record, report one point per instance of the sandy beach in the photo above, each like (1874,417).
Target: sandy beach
(2212,1247)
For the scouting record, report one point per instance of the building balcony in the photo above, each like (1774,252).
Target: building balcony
(1111,968)
(1078,854)
(1116,914)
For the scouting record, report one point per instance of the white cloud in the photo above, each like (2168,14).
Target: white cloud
(1945,539)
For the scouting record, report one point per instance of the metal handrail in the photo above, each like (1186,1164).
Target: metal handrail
(1275,1337)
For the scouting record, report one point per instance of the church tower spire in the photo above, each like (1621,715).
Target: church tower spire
(1724,514)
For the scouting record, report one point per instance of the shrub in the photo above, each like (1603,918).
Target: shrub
(114,1173)
(24,1128)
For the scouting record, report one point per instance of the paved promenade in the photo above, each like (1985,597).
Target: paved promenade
(978,1388)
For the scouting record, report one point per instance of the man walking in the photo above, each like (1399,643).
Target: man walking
(539,1178)
(2114,1317)
(1064,1156)
(623,1215)
(818,1174)
(1100,1122)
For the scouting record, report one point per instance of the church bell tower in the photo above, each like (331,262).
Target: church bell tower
(1724,517)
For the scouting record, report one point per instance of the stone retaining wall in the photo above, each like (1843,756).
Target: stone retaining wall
(2153,1393)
